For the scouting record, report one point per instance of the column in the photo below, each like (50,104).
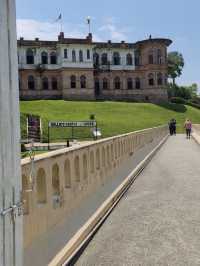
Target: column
(10,176)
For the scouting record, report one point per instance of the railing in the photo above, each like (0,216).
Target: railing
(63,178)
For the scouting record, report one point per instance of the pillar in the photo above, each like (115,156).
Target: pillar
(10,176)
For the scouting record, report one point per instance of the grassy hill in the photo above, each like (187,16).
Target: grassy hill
(113,117)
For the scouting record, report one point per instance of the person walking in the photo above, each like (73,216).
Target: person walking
(172,127)
(188,128)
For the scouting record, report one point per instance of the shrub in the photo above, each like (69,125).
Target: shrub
(178,100)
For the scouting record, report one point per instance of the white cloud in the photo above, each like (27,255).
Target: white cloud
(111,30)
(30,29)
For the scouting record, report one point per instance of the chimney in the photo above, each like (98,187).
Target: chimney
(36,39)
(122,41)
(109,41)
(61,36)
(21,38)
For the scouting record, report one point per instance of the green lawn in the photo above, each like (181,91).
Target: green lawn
(113,117)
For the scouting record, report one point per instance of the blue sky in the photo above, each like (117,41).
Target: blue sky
(129,20)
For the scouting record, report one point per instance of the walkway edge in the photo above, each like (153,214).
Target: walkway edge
(196,137)
(90,227)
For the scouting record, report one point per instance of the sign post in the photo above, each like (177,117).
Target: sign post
(72,125)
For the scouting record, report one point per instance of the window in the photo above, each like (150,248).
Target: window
(83,82)
(73,82)
(88,54)
(53,58)
(129,84)
(137,83)
(29,57)
(31,83)
(151,61)
(104,59)
(129,60)
(65,53)
(116,59)
(81,56)
(117,84)
(160,79)
(54,83)
(73,56)
(45,83)
(96,59)
(159,57)
(151,79)
(137,58)
(44,58)
(105,84)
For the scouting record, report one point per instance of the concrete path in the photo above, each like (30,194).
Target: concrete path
(158,221)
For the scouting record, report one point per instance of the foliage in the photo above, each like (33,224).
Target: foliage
(178,100)
(113,117)
(175,65)
(185,92)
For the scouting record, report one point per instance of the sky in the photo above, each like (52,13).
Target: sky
(117,20)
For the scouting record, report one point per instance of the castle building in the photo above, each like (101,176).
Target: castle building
(81,69)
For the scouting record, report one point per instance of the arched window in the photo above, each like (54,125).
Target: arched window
(96,59)
(104,59)
(116,58)
(151,61)
(45,83)
(83,82)
(55,180)
(54,83)
(160,79)
(129,60)
(77,169)
(44,58)
(67,171)
(29,57)
(41,186)
(117,83)
(151,79)
(53,58)
(73,56)
(85,167)
(31,83)
(88,54)
(159,57)
(65,53)
(137,83)
(137,58)
(73,82)
(129,84)
(105,84)
(81,56)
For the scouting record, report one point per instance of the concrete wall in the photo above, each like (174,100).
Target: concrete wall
(10,181)
(64,178)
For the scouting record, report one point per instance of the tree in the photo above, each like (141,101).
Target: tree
(175,65)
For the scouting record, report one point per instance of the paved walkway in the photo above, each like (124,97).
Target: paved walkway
(158,221)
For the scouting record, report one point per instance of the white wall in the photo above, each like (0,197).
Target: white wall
(10,176)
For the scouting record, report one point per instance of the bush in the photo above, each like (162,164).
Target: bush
(178,100)
(23,148)
(193,104)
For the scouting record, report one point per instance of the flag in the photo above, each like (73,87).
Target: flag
(88,20)
(59,18)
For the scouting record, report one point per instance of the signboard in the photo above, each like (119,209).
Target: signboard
(34,128)
(73,124)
